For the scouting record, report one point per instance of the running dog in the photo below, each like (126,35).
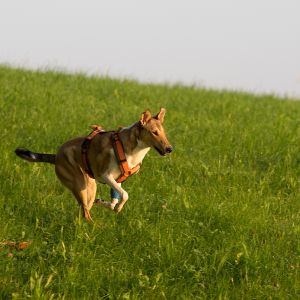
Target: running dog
(108,157)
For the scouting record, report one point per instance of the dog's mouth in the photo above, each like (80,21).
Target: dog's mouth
(162,153)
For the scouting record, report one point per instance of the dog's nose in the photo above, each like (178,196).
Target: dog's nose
(169,149)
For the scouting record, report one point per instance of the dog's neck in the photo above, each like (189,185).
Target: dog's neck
(135,149)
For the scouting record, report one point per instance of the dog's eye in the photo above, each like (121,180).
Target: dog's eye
(155,132)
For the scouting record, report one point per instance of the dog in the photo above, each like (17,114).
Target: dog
(108,157)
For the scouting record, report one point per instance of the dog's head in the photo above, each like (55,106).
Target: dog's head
(153,133)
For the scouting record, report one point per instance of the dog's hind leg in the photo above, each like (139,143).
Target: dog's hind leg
(81,196)
(85,196)
(82,187)
(91,190)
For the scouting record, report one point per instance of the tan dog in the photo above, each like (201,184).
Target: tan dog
(70,166)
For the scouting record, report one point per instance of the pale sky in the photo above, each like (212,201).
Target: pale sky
(234,44)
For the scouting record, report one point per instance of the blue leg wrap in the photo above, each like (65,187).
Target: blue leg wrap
(114,194)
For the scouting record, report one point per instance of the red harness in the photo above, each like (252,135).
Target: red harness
(85,146)
(126,171)
(120,155)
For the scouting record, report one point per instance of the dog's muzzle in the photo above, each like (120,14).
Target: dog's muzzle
(164,152)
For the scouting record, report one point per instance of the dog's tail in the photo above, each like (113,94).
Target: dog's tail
(35,157)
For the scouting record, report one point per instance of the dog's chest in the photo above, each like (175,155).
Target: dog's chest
(136,157)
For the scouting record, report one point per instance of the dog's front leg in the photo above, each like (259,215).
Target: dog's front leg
(124,195)
(115,197)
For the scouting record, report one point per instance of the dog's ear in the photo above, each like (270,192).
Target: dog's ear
(160,116)
(145,117)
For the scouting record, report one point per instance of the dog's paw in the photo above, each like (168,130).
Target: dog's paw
(118,207)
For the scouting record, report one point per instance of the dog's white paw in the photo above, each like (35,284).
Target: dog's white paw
(113,203)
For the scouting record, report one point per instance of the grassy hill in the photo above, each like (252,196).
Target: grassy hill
(217,219)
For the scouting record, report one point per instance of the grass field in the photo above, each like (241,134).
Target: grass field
(217,219)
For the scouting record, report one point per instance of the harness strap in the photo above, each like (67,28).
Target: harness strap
(84,148)
(126,171)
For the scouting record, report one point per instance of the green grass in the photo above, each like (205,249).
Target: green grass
(217,219)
